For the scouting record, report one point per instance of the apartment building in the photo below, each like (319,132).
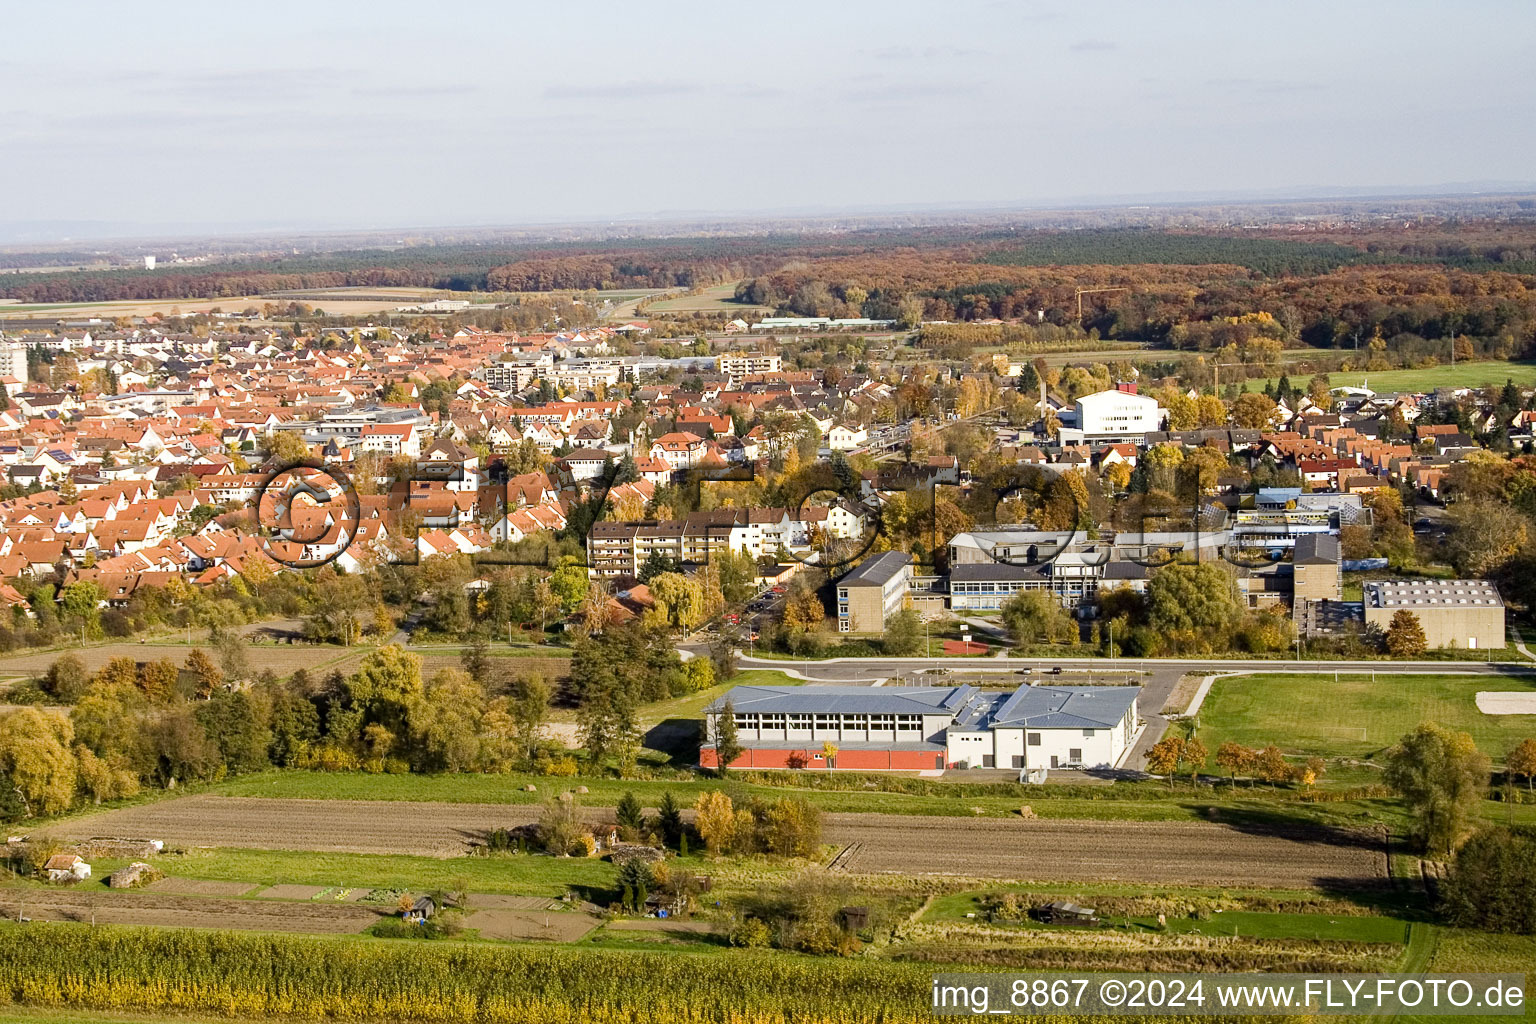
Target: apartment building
(737,365)
(13,361)
(516,376)
(873,592)
(620,549)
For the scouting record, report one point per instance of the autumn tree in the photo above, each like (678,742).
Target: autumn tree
(285,448)
(35,757)
(1522,761)
(1442,776)
(1193,756)
(679,599)
(158,679)
(102,779)
(1485,534)
(1405,636)
(803,609)
(1193,600)
(119,671)
(206,676)
(791,827)
(1271,766)
(67,679)
(1235,757)
(1252,411)
(1163,756)
(715,819)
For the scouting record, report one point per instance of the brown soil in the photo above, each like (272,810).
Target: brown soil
(1194,853)
(497,901)
(1080,851)
(153,908)
(199,887)
(556,926)
(289,891)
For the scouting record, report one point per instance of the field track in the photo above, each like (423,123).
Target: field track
(1032,850)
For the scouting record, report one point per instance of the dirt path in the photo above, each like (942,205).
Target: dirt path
(1044,850)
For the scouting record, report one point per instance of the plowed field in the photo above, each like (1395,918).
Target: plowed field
(1032,850)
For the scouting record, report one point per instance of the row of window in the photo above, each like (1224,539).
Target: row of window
(1074,756)
(801,721)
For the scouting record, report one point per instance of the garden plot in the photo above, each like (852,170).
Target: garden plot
(199,887)
(552,926)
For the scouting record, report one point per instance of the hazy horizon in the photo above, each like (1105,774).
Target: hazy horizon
(176,118)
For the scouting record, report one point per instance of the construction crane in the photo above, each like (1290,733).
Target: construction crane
(1088,291)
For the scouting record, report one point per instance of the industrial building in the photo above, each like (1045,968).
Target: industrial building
(926,728)
(1454,613)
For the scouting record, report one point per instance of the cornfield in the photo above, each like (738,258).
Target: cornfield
(267,977)
(260,976)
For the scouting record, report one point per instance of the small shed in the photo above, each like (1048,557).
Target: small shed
(666,904)
(854,919)
(66,867)
(422,910)
(1062,912)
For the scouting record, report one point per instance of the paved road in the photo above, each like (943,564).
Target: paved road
(854,670)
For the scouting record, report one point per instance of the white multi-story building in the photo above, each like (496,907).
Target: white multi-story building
(516,376)
(737,365)
(13,361)
(1118,415)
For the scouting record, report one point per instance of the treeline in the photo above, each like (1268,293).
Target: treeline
(161,724)
(543,267)
(1412,308)
(1128,246)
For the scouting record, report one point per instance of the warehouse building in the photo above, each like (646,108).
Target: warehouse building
(1454,613)
(926,728)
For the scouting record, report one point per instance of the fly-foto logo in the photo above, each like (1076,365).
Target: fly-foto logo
(309,514)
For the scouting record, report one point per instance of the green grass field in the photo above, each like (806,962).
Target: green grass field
(523,875)
(1356,715)
(713,300)
(1494,372)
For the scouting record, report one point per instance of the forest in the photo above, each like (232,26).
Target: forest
(1017,271)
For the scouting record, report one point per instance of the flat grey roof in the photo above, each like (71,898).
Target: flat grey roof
(977,572)
(847,700)
(1412,594)
(1066,707)
(877,571)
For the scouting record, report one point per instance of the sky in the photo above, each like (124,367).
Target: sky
(330,113)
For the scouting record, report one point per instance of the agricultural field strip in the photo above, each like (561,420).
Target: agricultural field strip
(1055,850)
(185,911)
